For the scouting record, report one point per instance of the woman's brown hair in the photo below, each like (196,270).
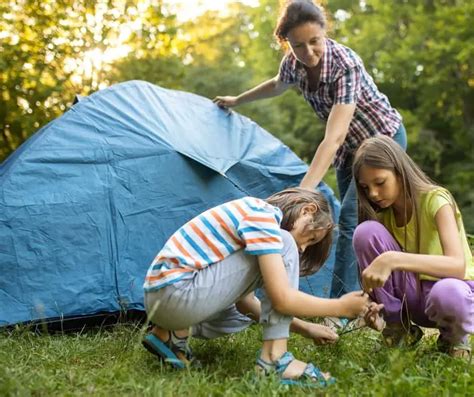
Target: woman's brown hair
(291,202)
(294,13)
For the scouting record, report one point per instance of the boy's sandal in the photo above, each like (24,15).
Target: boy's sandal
(400,337)
(168,351)
(311,376)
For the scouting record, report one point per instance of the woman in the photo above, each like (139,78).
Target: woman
(334,82)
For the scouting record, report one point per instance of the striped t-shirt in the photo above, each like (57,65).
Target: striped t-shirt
(248,223)
(344,80)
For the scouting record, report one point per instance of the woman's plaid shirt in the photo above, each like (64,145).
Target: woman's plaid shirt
(344,80)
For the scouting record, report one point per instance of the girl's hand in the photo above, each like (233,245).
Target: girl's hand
(225,101)
(354,304)
(377,273)
(373,319)
(320,334)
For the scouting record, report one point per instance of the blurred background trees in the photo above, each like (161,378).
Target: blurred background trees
(420,53)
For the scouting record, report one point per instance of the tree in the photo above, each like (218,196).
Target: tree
(53,50)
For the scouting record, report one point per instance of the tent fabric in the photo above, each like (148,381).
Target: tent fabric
(87,201)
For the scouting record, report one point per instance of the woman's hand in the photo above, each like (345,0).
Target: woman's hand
(377,273)
(354,304)
(225,101)
(320,334)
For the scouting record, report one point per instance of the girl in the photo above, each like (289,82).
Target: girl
(412,250)
(219,258)
(334,82)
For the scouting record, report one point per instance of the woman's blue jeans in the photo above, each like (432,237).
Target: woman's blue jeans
(346,275)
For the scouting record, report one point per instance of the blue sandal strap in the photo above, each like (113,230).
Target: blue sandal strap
(177,344)
(313,372)
(311,376)
(267,367)
(282,363)
(155,346)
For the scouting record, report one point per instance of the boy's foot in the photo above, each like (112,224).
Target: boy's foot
(396,335)
(174,350)
(295,372)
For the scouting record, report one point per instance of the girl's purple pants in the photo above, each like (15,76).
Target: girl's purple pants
(447,304)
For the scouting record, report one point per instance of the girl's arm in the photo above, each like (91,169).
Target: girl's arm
(451,264)
(336,131)
(292,302)
(267,89)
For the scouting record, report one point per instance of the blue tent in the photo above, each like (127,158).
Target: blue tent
(86,202)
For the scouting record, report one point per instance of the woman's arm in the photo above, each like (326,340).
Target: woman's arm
(451,264)
(292,302)
(336,131)
(267,89)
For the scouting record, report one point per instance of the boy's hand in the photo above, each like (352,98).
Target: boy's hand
(320,334)
(225,101)
(354,304)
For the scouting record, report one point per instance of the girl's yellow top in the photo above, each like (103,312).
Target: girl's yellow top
(429,243)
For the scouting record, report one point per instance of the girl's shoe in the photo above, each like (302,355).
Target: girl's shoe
(456,350)
(399,336)
(174,351)
(311,376)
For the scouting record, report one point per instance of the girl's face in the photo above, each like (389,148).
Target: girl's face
(307,42)
(302,232)
(381,186)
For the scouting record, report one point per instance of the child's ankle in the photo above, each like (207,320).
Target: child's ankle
(164,334)
(160,333)
(273,352)
(181,333)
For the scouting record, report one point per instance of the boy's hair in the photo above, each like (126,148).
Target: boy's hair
(291,202)
(294,13)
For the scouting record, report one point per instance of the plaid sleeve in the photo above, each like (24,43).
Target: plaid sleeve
(286,73)
(348,86)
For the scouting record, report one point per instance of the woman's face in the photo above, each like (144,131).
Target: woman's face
(307,42)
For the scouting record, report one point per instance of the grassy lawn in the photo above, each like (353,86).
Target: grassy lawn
(111,361)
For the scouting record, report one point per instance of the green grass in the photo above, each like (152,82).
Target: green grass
(112,361)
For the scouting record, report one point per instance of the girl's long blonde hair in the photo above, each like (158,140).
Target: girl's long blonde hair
(291,202)
(383,152)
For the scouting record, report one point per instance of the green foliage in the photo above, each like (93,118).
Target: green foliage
(53,50)
(112,362)
(421,54)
